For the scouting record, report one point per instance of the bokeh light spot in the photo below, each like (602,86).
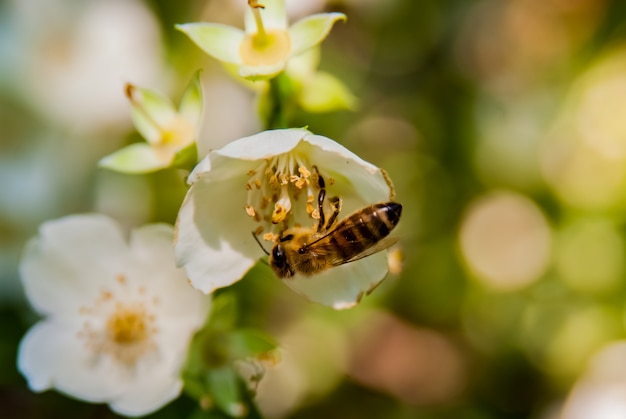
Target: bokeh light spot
(505,241)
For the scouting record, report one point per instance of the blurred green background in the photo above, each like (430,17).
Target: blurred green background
(503,125)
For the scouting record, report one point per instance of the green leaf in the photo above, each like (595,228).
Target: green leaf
(209,414)
(134,159)
(246,343)
(194,386)
(224,314)
(186,158)
(225,387)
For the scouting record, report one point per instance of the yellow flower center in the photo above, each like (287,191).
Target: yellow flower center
(178,132)
(268,48)
(121,330)
(128,325)
(175,135)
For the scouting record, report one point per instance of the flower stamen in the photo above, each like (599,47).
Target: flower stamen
(261,37)
(250,210)
(272,190)
(282,207)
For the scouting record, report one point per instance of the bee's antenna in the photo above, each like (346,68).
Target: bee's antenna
(259,243)
(392,190)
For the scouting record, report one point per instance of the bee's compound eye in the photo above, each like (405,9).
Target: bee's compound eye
(278,257)
(279,262)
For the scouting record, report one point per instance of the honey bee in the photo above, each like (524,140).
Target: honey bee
(309,251)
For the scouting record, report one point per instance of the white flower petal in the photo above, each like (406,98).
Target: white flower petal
(353,175)
(213,237)
(39,367)
(312,30)
(274,16)
(219,41)
(51,355)
(264,145)
(203,165)
(69,260)
(159,383)
(261,72)
(152,248)
(343,286)
(156,388)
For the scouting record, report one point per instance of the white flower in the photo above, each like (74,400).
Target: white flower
(259,183)
(118,315)
(263,49)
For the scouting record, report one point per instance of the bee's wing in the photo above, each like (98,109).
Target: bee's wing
(379,246)
(324,246)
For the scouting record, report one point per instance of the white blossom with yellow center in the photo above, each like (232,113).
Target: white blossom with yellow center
(118,316)
(263,49)
(263,184)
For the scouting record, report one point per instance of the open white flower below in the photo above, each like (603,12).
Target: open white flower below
(118,314)
(266,183)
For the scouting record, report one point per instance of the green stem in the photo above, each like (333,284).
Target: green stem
(279,102)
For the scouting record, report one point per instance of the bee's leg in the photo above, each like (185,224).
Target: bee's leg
(335,205)
(320,200)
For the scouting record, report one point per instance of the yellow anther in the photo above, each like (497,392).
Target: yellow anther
(301,182)
(304,171)
(271,237)
(250,210)
(279,214)
(255,4)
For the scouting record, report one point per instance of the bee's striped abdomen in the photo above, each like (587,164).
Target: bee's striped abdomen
(365,228)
